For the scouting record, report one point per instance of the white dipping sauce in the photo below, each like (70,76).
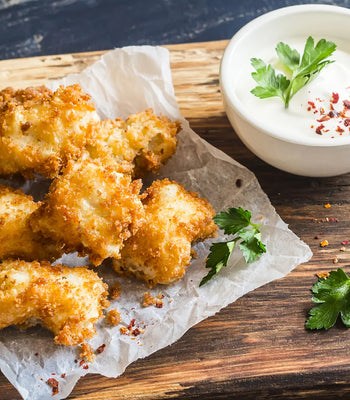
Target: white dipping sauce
(302,119)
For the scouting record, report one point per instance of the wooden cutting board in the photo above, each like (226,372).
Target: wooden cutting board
(256,348)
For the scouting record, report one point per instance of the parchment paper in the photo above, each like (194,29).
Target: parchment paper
(123,82)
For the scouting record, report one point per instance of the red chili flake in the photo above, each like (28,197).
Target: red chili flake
(335,98)
(346,103)
(132,323)
(309,108)
(54,384)
(319,129)
(63,375)
(339,129)
(53,373)
(36,354)
(136,332)
(86,367)
(324,118)
(159,305)
(312,104)
(346,121)
(345,242)
(100,349)
(81,363)
(75,361)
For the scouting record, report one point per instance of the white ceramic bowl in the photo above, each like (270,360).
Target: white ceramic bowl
(315,157)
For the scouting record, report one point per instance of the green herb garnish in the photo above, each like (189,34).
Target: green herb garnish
(302,70)
(333,295)
(236,221)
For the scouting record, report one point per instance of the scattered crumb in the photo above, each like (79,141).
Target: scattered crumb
(323,275)
(124,330)
(63,375)
(54,384)
(335,260)
(100,349)
(115,291)
(149,300)
(342,249)
(327,205)
(114,317)
(324,243)
(194,254)
(87,352)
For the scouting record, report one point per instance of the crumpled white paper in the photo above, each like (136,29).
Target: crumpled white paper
(123,82)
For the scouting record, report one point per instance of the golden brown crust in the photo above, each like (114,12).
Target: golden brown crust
(91,208)
(41,130)
(16,236)
(67,301)
(144,141)
(161,249)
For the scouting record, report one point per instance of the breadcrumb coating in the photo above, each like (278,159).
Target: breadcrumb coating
(144,141)
(91,208)
(16,236)
(67,301)
(41,130)
(160,250)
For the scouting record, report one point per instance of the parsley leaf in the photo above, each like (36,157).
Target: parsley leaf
(236,221)
(302,69)
(333,296)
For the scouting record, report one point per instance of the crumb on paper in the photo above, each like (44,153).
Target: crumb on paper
(124,330)
(115,291)
(150,300)
(114,317)
(54,384)
(87,352)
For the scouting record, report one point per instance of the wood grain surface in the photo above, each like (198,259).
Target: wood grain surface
(257,347)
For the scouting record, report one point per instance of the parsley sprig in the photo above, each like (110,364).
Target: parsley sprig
(302,70)
(333,297)
(236,221)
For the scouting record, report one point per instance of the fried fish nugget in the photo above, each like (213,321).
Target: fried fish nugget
(161,249)
(16,237)
(91,208)
(144,140)
(41,130)
(67,301)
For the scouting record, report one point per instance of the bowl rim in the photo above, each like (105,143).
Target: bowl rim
(239,35)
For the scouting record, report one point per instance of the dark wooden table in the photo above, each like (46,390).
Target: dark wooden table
(257,347)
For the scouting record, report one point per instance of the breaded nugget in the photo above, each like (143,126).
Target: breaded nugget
(160,251)
(67,301)
(144,140)
(16,237)
(41,130)
(91,208)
